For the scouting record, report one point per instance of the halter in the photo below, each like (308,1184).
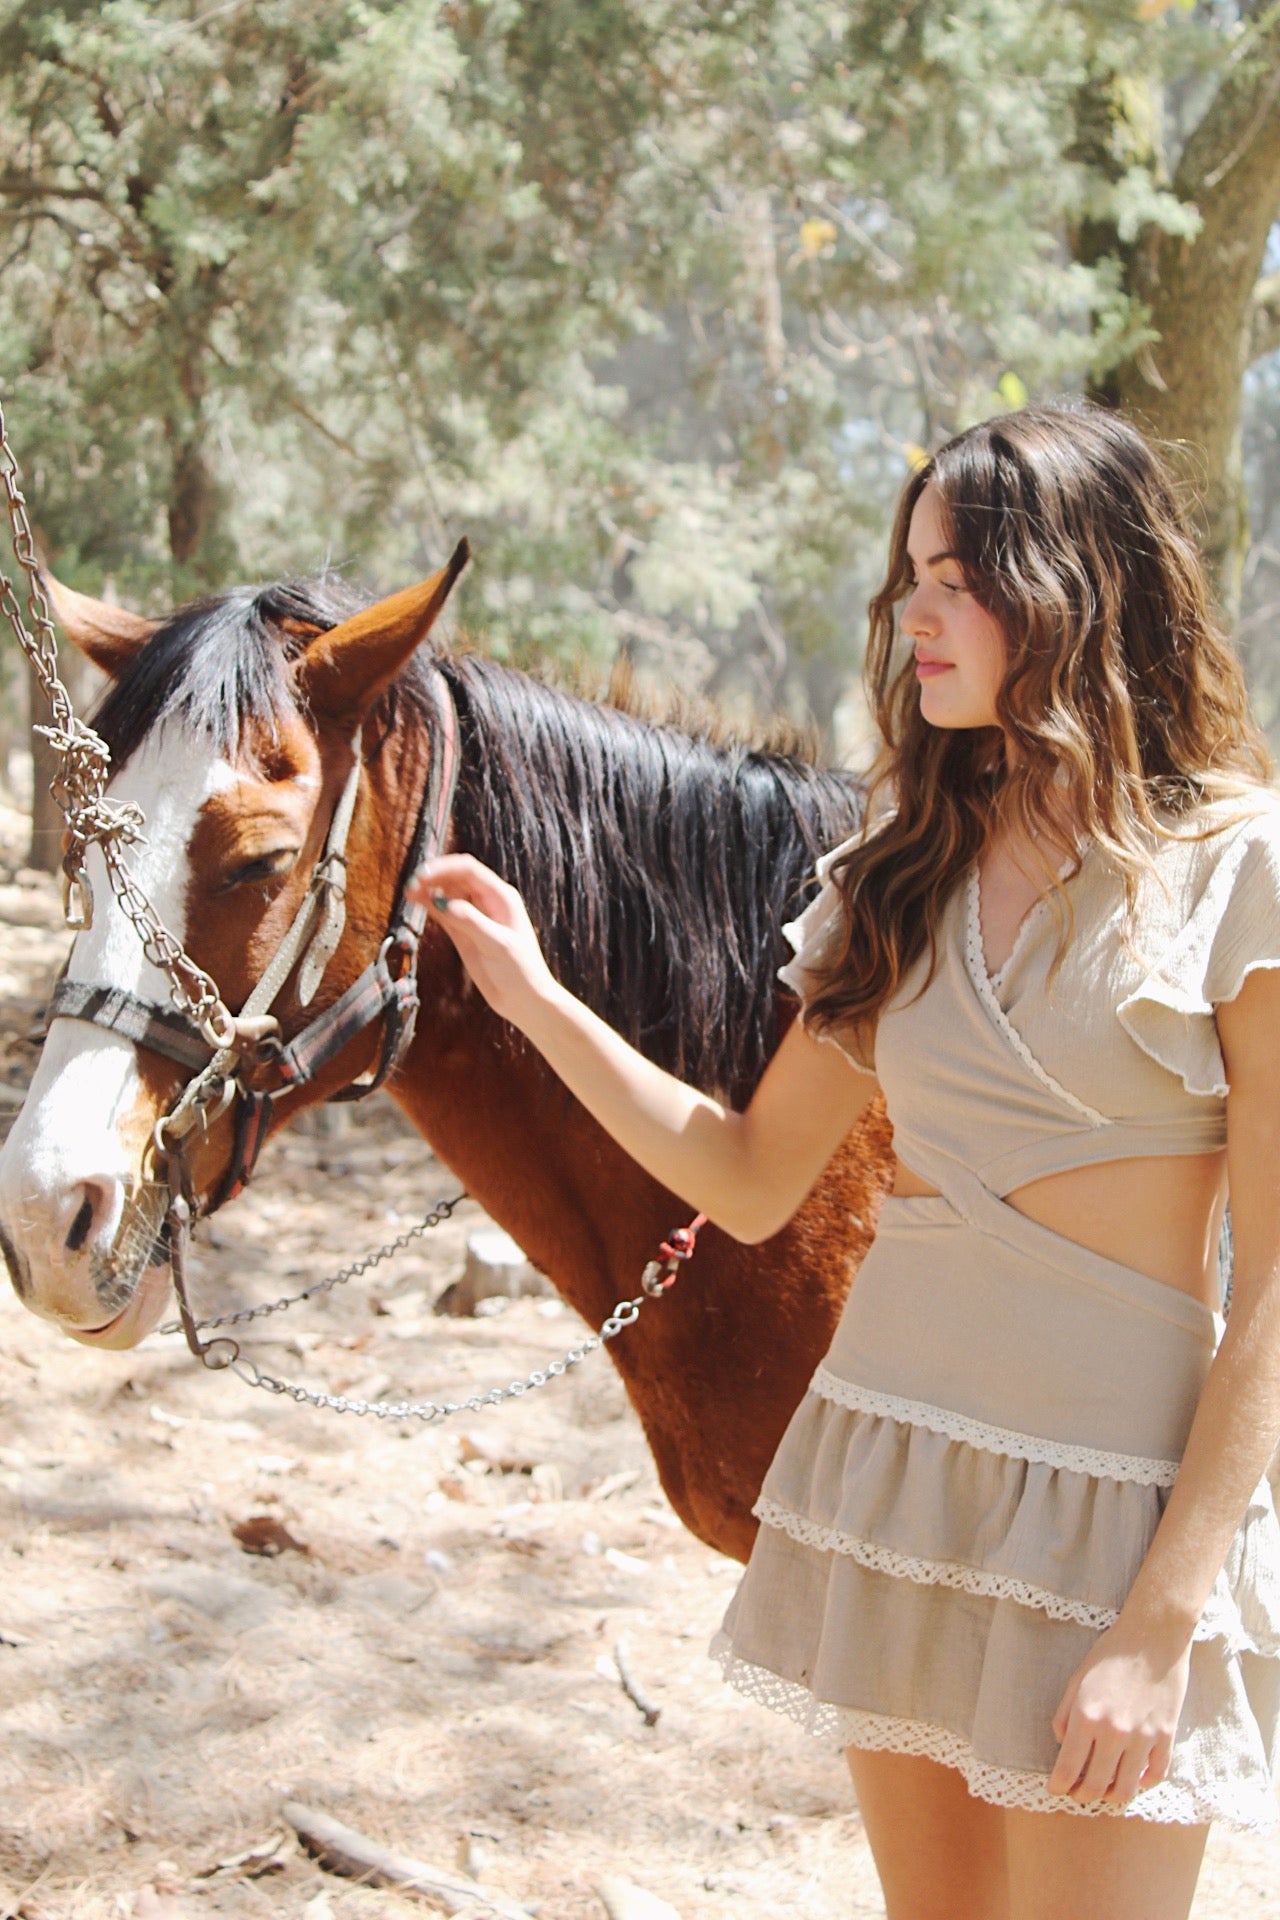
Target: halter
(387,988)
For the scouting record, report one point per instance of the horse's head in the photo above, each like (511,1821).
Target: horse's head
(238,727)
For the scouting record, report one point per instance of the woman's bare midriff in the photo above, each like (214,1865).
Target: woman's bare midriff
(1160,1216)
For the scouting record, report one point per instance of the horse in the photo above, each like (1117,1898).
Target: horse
(657,861)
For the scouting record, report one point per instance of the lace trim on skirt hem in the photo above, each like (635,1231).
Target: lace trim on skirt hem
(931,1573)
(1171,1803)
(1097,1464)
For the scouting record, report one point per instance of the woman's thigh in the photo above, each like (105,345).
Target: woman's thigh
(938,1851)
(1063,1865)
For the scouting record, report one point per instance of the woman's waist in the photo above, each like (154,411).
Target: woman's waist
(1026,1332)
(1158,1213)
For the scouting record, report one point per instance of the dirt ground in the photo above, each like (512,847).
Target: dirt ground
(435,1662)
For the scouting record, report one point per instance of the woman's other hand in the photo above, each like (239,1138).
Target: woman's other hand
(487,922)
(1117,1719)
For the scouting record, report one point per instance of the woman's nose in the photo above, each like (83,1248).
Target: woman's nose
(915,619)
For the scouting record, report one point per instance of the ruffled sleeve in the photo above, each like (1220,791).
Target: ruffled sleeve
(1232,929)
(816,937)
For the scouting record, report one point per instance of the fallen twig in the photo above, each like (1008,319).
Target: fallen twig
(353,1854)
(631,1686)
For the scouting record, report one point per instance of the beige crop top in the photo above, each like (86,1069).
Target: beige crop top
(1017,1079)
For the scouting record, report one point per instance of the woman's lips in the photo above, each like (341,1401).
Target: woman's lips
(925,669)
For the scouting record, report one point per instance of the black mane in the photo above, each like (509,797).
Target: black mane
(219,663)
(657,862)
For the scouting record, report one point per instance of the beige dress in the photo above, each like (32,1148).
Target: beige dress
(965,1494)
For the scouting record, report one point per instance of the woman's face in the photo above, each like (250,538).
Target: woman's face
(959,646)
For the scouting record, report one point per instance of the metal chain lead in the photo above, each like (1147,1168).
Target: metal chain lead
(84,766)
(428,1411)
(442,1211)
(224,1354)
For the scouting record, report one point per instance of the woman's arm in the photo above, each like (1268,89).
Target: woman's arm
(747,1171)
(1119,1715)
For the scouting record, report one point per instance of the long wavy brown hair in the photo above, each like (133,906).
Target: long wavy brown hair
(1121,692)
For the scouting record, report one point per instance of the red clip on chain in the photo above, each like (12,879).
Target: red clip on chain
(682,1245)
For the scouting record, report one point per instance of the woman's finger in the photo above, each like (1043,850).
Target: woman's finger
(1158,1761)
(1095,1782)
(459,917)
(457,873)
(1130,1774)
(461,877)
(1062,1718)
(1073,1757)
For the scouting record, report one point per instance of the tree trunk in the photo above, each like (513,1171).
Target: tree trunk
(192,497)
(1202,295)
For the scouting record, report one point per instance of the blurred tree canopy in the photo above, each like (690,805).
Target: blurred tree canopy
(656,299)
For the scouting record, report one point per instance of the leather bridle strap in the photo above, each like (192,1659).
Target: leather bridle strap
(388,987)
(161,1029)
(390,984)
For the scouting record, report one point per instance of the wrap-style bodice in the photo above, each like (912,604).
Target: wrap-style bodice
(1117,1055)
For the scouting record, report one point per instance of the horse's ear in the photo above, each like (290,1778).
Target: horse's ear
(343,673)
(109,636)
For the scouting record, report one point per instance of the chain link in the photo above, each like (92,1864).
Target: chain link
(430,1412)
(84,767)
(442,1211)
(224,1354)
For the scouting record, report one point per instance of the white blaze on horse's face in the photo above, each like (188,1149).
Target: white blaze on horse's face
(72,1167)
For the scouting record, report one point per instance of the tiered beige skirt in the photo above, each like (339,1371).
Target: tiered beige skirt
(960,1505)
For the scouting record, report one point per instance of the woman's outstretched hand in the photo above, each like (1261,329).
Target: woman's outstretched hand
(1118,1717)
(487,923)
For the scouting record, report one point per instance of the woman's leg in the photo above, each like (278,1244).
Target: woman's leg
(1062,1866)
(939,1852)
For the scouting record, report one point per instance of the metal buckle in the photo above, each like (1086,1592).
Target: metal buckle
(77,901)
(218,1028)
(403,941)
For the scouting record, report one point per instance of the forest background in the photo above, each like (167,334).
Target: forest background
(658,301)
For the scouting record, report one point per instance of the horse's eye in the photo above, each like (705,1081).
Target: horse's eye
(268,866)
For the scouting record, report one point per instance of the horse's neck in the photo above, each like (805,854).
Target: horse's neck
(527,1151)
(715,1369)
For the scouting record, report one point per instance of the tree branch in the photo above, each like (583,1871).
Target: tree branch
(25,186)
(1242,122)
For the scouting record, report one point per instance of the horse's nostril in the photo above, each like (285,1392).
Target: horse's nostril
(80,1227)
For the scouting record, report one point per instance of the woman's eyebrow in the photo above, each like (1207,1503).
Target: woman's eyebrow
(935,559)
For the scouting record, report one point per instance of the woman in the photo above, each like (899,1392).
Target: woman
(1019,1552)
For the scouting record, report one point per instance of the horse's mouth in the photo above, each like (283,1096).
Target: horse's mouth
(136,1320)
(133,1278)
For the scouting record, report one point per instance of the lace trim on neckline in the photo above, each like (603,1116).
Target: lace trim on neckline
(1171,1802)
(931,1573)
(1096,1463)
(976,964)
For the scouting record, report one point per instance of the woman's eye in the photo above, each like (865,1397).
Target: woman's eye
(268,866)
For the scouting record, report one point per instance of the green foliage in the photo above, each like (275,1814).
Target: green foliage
(653,300)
